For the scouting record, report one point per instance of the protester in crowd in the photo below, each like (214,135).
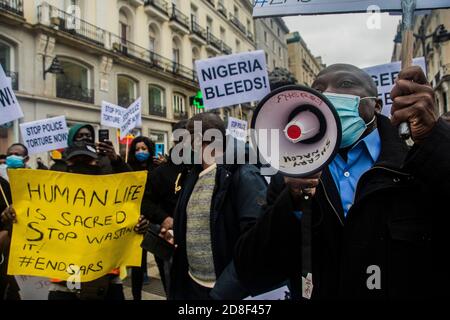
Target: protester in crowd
(2,159)
(163,187)
(9,290)
(108,159)
(17,156)
(82,158)
(372,209)
(218,203)
(141,157)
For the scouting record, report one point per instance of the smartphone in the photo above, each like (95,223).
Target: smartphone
(158,246)
(103,135)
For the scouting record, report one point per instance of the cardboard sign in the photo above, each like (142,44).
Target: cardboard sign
(9,105)
(268,8)
(131,118)
(72,227)
(33,288)
(45,135)
(233,79)
(237,128)
(112,115)
(385,75)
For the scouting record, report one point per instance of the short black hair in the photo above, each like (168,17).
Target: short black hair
(2,156)
(180,125)
(280,77)
(209,120)
(19,145)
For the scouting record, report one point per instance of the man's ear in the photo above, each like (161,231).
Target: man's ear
(378,106)
(25,160)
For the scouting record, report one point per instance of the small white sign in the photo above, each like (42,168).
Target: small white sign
(282,293)
(112,115)
(267,8)
(45,135)
(9,105)
(385,75)
(233,79)
(33,288)
(237,128)
(131,118)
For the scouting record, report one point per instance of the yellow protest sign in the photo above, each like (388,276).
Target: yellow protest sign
(74,227)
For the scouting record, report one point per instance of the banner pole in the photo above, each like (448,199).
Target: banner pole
(4,196)
(408,8)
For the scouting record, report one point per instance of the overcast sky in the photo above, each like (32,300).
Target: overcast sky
(345,38)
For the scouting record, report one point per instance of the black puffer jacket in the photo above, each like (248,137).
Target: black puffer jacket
(398,223)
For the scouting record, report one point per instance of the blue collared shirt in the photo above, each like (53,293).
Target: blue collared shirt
(360,158)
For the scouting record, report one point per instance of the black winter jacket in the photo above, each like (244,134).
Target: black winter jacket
(237,202)
(398,223)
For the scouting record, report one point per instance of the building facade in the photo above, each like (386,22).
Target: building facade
(271,37)
(432,41)
(302,63)
(115,51)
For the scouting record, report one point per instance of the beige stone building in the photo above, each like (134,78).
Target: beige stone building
(433,42)
(302,63)
(271,37)
(117,51)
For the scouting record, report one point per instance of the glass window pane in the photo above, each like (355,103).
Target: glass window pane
(5,56)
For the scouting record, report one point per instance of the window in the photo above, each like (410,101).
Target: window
(274,63)
(195,56)
(278,32)
(223,34)
(6,56)
(124,26)
(74,83)
(126,91)
(194,13)
(209,24)
(265,37)
(176,50)
(156,101)
(160,140)
(271,23)
(154,38)
(238,46)
(179,106)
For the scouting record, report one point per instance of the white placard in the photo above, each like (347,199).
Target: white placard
(385,75)
(282,293)
(45,135)
(33,288)
(112,115)
(237,128)
(267,8)
(131,118)
(9,105)
(233,79)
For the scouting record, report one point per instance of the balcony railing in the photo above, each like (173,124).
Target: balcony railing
(157,110)
(216,42)
(70,24)
(51,16)
(158,4)
(250,36)
(182,115)
(235,20)
(14,79)
(211,2)
(222,10)
(179,16)
(65,89)
(125,101)
(13,6)
(198,30)
(226,49)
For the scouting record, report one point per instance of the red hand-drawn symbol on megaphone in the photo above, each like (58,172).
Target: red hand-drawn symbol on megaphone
(304,131)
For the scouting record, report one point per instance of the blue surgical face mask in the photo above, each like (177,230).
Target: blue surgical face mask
(142,156)
(347,107)
(15,162)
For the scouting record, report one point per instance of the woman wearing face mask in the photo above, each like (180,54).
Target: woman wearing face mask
(140,157)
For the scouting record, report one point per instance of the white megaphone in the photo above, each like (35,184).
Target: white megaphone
(307,128)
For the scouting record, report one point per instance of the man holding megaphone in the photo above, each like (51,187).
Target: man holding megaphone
(375,212)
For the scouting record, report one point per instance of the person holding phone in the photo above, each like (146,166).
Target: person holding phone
(109,161)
